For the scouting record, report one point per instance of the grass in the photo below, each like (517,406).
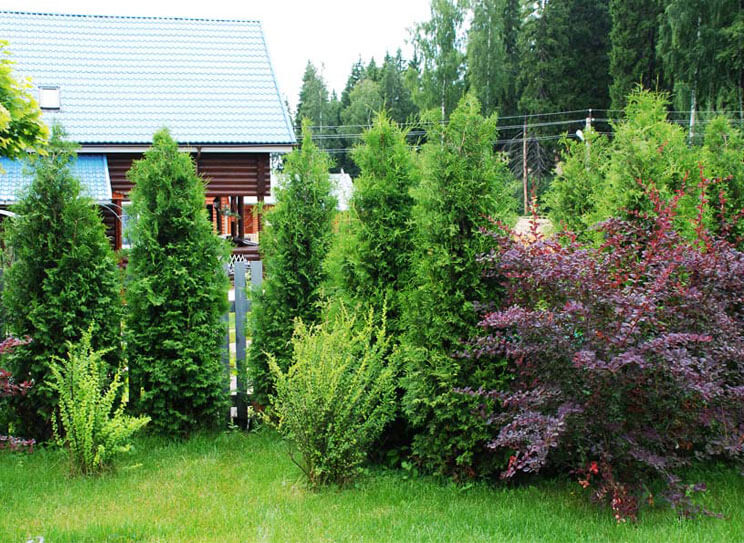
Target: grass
(240,488)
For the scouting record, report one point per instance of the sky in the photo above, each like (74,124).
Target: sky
(330,33)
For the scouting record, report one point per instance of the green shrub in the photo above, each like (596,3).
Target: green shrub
(176,296)
(93,430)
(599,178)
(464,182)
(294,246)
(62,280)
(373,253)
(337,396)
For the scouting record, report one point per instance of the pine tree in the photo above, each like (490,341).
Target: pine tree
(634,37)
(294,245)
(692,37)
(463,184)
(176,295)
(62,281)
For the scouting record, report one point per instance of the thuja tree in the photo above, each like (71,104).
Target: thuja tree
(627,358)
(464,182)
(294,245)
(372,260)
(598,177)
(176,294)
(61,282)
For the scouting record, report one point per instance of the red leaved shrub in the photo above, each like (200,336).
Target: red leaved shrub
(627,358)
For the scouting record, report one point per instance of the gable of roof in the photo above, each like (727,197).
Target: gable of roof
(90,170)
(122,78)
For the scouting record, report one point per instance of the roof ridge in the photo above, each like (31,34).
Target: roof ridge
(135,17)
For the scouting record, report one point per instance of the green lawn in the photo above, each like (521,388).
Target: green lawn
(241,488)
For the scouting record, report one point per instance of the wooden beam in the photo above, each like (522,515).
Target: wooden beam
(241,217)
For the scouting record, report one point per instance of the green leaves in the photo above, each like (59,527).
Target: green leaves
(94,430)
(294,243)
(463,184)
(176,295)
(21,127)
(336,397)
(62,280)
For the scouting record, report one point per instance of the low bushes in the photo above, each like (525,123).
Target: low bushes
(336,398)
(627,358)
(93,429)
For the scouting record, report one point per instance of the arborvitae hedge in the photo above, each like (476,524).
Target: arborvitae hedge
(294,245)
(176,294)
(463,184)
(62,281)
(371,262)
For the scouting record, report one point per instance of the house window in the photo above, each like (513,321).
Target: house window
(125,218)
(49,98)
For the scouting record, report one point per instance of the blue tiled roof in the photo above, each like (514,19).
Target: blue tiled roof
(90,170)
(123,78)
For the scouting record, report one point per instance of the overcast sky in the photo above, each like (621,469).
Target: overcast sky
(330,33)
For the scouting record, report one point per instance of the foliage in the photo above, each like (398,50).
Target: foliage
(695,45)
(21,127)
(598,178)
(463,183)
(294,245)
(565,62)
(628,358)
(62,280)
(633,37)
(439,43)
(94,431)
(372,258)
(577,187)
(176,295)
(491,58)
(722,156)
(337,396)
(9,387)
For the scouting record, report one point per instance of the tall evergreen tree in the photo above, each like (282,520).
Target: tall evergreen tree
(692,37)
(176,296)
(61,283)
(356,75)
(463,184)
(395,94)
(294,245)
(634,37)
(314,101)
(372,258)
(439,43)
(566,57)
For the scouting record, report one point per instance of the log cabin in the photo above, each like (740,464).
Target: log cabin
(113,81)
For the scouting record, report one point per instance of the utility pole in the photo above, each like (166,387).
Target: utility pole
(524,164)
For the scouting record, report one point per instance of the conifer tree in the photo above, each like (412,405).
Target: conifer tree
(463,184)
(294,245)
(634,37)
(565,64)
(372,260)
(62,282)
(176,295)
